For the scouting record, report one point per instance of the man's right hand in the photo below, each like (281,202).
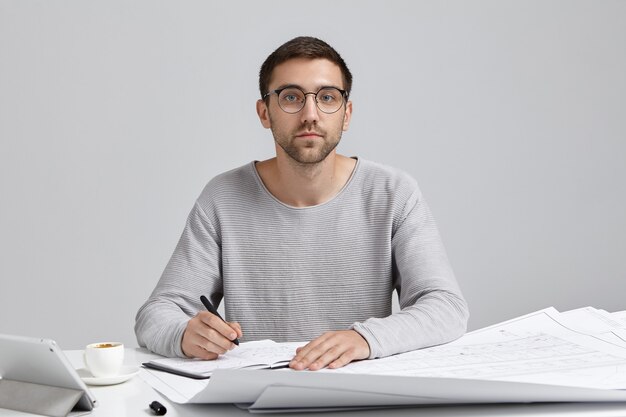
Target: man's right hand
(207,336)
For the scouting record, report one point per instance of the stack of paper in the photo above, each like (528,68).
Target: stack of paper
(546,356)
(578,348)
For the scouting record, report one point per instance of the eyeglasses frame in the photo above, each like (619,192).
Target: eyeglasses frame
(280,90)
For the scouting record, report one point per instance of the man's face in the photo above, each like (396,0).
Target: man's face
(309,135)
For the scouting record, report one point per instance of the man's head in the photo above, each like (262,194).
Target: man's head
(302,47)
(304,101)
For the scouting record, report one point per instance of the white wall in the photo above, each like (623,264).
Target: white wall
(114,114)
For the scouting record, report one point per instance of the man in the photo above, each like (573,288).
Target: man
(309,245)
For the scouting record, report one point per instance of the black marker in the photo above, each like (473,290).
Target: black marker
(212,310)
(158,408)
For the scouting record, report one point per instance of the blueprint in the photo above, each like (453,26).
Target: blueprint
(544,356)
(543,347)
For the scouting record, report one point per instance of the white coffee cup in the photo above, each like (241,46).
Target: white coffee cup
(104,359)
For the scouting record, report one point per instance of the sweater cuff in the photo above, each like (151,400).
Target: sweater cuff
(177,339)
(372,341)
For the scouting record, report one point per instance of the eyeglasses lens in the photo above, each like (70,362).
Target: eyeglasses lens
(328,100)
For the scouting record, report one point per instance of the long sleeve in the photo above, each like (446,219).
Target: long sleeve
(193,270)
(433,310)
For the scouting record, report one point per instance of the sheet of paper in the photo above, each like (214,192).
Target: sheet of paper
(548,310)
(590,320)
(178,389)
(533,348)
(596,322)
(325,389)
(620,316)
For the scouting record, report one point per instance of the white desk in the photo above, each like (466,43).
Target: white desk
(132,398)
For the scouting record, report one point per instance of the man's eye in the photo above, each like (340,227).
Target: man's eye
(327,98)
(290,97)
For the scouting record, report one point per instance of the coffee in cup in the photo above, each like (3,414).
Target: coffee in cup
(104,359)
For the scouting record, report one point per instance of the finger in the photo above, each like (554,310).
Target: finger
(195,345)
(310,353)
(296,357)
(201,353)
(237,327)
(326,358)
(207,339)
(337,348)
(217,330)
(341,361)
(305,350)
(211,346)
(200,334)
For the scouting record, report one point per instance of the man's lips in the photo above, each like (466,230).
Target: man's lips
(309,135)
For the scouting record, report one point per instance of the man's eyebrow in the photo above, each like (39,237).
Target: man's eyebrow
(283,86)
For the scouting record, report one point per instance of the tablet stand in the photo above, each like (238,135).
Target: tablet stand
(38,399)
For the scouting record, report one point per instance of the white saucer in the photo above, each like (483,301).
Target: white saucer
(126,373)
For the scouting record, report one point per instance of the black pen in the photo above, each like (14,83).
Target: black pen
(212,310)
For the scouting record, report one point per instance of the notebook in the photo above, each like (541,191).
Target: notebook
(263,354)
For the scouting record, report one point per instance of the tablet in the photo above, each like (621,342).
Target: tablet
(41,361)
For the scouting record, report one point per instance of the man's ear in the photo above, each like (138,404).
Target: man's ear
(347,116)
(263,112)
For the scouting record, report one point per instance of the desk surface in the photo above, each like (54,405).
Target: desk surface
(132,398)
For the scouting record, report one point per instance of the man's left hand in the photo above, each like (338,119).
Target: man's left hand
(332,349)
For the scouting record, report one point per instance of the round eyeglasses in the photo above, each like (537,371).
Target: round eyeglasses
(291,99)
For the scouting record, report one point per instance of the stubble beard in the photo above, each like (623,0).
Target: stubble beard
(307,152)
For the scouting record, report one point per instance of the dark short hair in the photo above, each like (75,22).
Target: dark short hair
(302,47)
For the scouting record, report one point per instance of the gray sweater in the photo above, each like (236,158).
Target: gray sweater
(290,274)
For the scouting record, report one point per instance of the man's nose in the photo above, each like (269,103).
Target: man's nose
(310,112)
